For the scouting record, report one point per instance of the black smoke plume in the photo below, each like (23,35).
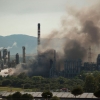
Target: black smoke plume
(79,30)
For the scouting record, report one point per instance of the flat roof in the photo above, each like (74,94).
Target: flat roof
(58,94)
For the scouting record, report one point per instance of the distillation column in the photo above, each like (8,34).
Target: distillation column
(17,58)
(8,56)
(0,55)
(38,39)
(23,54)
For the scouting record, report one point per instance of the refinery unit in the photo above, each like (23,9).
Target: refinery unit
(6,62)
(71,67)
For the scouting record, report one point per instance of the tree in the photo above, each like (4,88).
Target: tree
(27,86)
(9,97)
(96,73)
(17,96)
(89,85)
(61,80)
(55,98)
(22,75)
(97,94)
(27,97)
(47,94)
(37,79)
(6,82)
(97,81)
(77,91)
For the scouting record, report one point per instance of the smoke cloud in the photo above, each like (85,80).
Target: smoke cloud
(80,29)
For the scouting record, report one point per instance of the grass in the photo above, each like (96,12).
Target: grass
(9,89)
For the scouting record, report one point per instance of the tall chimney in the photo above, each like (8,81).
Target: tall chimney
(4,55)
(17,58)
(23,54)
(38,41)
(8,56)
(38,34)
(0,54)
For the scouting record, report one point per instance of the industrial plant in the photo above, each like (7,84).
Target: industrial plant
(48,63)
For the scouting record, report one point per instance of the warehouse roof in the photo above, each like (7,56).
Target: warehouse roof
(58,94)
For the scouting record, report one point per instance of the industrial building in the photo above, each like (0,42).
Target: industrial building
(71,67)
(61,95)
(5,58)
(53,71)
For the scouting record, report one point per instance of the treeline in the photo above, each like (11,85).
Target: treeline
(90,82)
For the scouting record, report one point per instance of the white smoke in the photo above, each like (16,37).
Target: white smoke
(20,68)
(1,48)
(13,45)
(6,72)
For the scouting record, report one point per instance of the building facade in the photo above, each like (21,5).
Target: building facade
(72,68)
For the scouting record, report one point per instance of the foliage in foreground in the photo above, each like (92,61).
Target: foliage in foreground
(55,98)
(89,81)
(77,91)
(47,94)
(19,96)
(97,94)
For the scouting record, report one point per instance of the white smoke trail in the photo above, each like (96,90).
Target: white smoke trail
(13,45)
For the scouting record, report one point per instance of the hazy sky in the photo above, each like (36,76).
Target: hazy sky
(22,16)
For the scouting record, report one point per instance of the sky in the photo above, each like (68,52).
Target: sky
(22,16)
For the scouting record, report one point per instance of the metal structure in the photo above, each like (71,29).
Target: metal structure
(53,72)
(38,34)
(89,66)
(98,62)
(72,68)
(4,55)
(17,58)
(0,54)
(38,39)
(89,55)
(8,56)
(24,61)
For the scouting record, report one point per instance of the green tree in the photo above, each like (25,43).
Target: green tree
(17,96)
(77,91)
(6,82)
(55,98)
(27,97)
(22,76)
(96,73)
(97,81)
(27,86)
(89,85)
(9,97)
(61,80)
(37,79)
(97,94)
(47,94)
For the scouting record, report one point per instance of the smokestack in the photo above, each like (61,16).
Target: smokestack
(0,54)
(38,34)
(17,58)
(8,56)
(4,55)
(23,54)
(38,39)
